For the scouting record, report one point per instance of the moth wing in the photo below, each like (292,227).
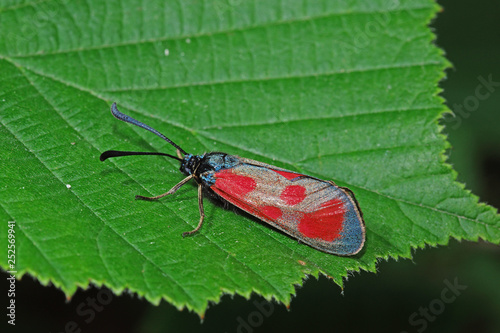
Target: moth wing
(317,212)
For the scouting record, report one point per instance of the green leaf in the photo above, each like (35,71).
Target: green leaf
(344,91)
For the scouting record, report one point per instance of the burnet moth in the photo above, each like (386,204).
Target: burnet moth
(316,212)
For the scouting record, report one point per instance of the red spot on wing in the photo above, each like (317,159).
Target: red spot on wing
(270,212)
(233,184)
(293,194)
(325,223)
(288,175)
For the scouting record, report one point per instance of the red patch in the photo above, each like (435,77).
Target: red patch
(232,184)
(287,175)
(235,201)
(270,212)
(325,223)
(293,194)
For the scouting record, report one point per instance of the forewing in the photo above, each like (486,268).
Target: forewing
(315,211)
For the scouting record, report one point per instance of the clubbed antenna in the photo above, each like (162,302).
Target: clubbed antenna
(128,119)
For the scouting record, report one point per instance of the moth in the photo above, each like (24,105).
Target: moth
(317,212)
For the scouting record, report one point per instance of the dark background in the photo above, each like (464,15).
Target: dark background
(469,32)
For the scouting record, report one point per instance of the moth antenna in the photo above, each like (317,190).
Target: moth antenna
(128,119)
(117,153)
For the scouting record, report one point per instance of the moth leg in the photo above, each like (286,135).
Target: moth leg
(179,154)
(172,190)
(202,213)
